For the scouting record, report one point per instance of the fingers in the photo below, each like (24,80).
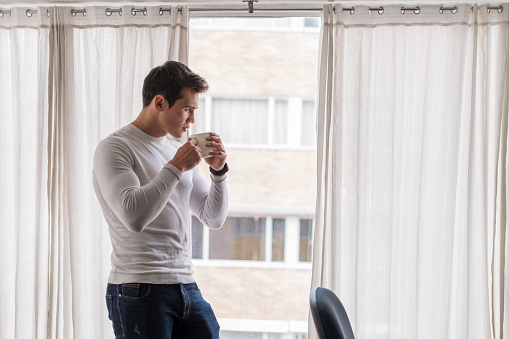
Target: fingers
(217,147)
(216,143)
(218,158)
(216,162)
(187,156)
(220,154)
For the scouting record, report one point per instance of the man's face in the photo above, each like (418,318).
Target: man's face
(177,119)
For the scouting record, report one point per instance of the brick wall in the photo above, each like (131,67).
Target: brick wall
(270,177)
(256,293)
(256,64)
(264,71)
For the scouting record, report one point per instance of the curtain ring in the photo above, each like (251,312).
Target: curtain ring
(3,12)
(351,10)
(452,9)
(136,10)
(499,9)
(380,10)
(110,11)
(416,9)
(77,11)
(162,10)
(30,12)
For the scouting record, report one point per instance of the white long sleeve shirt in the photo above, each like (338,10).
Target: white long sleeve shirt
(146,203)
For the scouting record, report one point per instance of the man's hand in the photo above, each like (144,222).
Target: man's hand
(188,156)
(218,158)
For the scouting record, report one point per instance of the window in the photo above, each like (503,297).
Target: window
(262,75)
(277,122)
(254,238)
(239,239)
(278,239)
(311,22)
(308,135)
(305,240)
(295,24)
(241,121)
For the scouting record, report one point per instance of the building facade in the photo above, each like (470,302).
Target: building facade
(256,270)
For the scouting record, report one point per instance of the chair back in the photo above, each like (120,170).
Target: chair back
(329,315)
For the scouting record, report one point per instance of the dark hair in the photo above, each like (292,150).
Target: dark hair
(169,80)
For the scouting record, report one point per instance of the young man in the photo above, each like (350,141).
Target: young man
(146,182)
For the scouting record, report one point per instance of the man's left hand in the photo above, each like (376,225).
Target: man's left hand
(218,158)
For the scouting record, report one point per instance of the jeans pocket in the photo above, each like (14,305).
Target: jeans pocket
(135,291)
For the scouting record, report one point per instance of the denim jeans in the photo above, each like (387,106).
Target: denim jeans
(158,311)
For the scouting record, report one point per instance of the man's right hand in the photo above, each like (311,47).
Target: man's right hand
(188,156)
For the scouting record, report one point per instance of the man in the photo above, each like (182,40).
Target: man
(146,182)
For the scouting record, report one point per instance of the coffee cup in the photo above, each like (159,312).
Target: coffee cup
(201,138)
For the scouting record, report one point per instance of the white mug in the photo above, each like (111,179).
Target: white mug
(201,138)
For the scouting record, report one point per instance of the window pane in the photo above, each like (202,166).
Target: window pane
(306,236)
(247,24)
(308,134)
(200,118)
(241,121)
(239,239)
(278,239)
(311,22)
(197,238)
(280,128)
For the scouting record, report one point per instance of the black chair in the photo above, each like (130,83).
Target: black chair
(329,315)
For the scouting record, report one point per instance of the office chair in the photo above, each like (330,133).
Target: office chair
(329,315)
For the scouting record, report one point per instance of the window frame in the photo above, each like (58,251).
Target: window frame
(292,243)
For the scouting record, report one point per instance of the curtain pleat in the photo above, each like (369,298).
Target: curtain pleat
(412,150)
(67,81)
(59,274)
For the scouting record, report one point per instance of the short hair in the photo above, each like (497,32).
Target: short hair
(168,80)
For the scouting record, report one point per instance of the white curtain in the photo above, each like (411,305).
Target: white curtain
(25,274)
(67,81)
(411,219)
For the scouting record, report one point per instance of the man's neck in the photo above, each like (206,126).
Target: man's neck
(146,124)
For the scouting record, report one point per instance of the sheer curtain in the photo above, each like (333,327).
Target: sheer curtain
(24,281)
(412,148)
(68,80)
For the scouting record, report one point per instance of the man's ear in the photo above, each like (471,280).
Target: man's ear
(158,102)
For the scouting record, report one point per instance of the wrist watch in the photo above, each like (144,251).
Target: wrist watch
(220,172)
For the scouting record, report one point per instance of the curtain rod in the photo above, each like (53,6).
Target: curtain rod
(134,10)
(162,10)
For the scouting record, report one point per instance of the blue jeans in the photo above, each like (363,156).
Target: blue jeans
(158,311)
